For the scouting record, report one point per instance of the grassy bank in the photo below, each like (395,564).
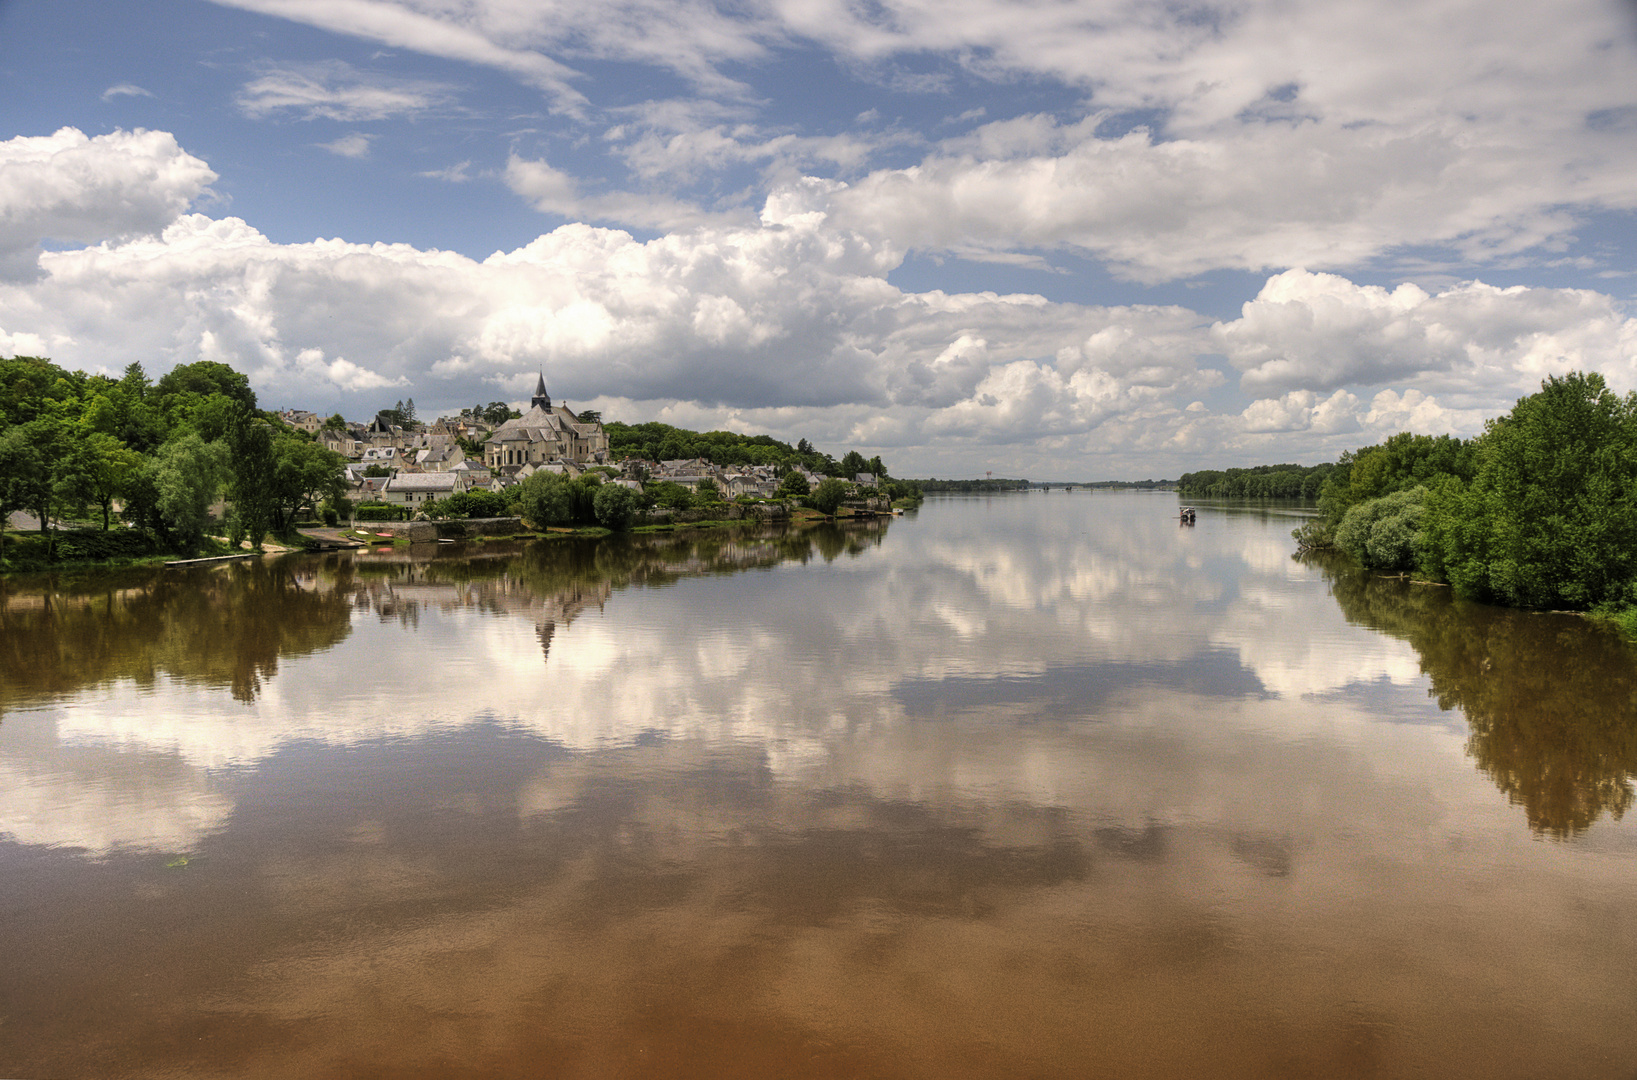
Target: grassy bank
(31,552)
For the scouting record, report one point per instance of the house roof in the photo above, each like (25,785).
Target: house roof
(423,482)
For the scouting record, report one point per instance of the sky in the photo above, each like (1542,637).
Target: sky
(1060,239)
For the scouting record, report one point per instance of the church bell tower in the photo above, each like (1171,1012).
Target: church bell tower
(541,398)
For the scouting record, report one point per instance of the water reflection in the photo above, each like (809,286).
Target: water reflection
(1551,700)
(1025,787)
(226,627)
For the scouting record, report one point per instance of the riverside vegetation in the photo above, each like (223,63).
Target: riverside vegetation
(73,447)
(1537,512)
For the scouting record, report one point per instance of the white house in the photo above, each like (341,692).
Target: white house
(413,489)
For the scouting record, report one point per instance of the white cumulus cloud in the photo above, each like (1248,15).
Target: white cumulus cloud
(1322,331)
(71,188)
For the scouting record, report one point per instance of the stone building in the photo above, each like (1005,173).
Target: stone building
(544,435)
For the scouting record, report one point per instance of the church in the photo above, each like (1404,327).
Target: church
(545,435)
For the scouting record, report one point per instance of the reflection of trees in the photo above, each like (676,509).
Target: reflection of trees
(1551,699)
(225,626)
(554,580)
(229,625)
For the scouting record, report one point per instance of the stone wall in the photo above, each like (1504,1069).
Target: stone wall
(723,512)
(417,532)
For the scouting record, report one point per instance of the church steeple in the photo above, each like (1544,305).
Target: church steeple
(541,398)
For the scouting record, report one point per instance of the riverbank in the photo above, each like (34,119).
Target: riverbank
(94,549)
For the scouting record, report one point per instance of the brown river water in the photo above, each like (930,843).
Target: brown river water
(1023,786)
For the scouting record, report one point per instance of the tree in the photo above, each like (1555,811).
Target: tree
(853,463)
(670,495)
(707,491)
(42,462)
(252,462)
(373,471)
(498,412)
(335,423)
(794,485)
(304,474)
(18,461)
(185,475)
(204,378)
(616,506)
(827,498)
(99,468)
(590,416)
(1384,533)
(546,499)
(1550,518)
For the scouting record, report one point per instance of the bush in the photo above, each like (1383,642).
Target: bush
(98,545)
(469,504)
(1383,533)
(379,512)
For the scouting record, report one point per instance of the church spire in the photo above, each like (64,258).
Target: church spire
(541,398)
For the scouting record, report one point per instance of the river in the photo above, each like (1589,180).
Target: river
(1039,785)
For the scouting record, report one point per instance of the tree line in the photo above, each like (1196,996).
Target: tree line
(1538,511)
(972,486)
(662,442)
(1256,482)
(72,445)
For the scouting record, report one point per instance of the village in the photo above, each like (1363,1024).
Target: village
(410,464)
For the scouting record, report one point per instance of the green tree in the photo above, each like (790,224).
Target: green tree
(590,416)
(827,497)
(98,470)
(615,506)
(547,499)
(498,412)
(185,476)
(251,463)
(203,378)
(19,460)
(43,464)
(304,474)
(1550,518)
(670,495)
(794,485)
(1384,533)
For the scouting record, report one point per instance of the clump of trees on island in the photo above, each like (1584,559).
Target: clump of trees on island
(72,445)
(1539,511)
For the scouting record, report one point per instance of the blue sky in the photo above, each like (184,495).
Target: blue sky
(1088,239)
